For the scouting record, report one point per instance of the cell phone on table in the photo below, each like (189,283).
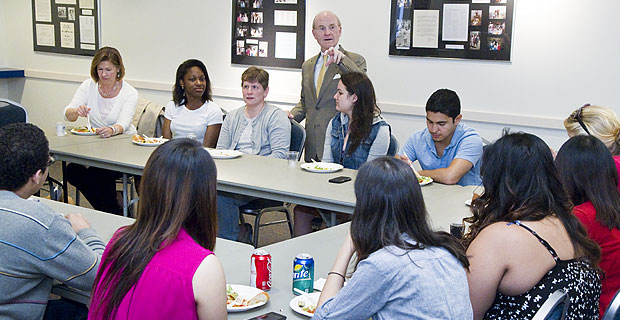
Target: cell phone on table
(341,179)
(269,316)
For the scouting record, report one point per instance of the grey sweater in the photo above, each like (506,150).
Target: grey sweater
(38,246)
(271,135)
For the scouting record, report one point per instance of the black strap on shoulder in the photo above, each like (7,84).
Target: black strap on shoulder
(541,240)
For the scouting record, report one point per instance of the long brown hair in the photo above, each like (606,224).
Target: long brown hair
(364,110)
(389,203)
(179,191)
(107,54)
(521,183)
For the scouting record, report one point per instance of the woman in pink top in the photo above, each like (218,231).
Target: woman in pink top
(599,122)
(589,176)
(162,266)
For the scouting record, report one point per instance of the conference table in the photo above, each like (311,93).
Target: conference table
(252,175)
(235,257)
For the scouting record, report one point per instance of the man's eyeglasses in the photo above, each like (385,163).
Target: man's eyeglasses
(49,162)
(577,116)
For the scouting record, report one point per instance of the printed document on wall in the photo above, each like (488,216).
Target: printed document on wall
(45,35)
(286,45)
(43,10)
(67,35)
(425,28)
(87,29)
(455,20)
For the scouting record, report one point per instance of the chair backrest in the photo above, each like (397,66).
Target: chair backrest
(612,312)
(148,117)
(393,148)
(298,137)
(12,112)
(555,307)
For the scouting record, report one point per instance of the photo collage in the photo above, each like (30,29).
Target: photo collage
(495,25)
(250,27)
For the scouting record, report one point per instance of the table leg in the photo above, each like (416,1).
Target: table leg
(65,185)
(328,217)
(125,204)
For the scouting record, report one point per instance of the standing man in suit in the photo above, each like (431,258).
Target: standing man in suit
(319,81)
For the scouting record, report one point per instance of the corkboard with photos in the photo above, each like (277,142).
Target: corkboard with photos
(66,26)
(463,29)
(268,33)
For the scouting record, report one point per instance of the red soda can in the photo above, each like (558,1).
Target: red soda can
(260,269)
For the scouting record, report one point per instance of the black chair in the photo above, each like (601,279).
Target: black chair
(555,307)
(612,312)
(393,148)
(259,207)
(12,112)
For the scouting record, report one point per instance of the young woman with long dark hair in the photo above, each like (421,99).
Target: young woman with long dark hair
(192,110)
(523,243)
(404,270)
(162,266)
(588,172)
(356,134)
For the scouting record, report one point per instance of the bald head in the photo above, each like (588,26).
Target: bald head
(326,29)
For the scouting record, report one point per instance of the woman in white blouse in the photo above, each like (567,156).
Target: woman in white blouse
(192,110)
(109,103)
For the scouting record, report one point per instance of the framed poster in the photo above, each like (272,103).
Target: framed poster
(66,26)
(464,29)
(268,33)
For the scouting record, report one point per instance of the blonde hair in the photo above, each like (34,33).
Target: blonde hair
(601,122)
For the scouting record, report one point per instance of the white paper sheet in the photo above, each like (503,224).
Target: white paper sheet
(86,46)
(45,35)
(284,18)
(455,21)
(67,35)
(286,45)
(87,12)
(455,46)
(480,1)
(43,10)
(425,28)
(66,2)
(285,1)
(87,4)
(87,29)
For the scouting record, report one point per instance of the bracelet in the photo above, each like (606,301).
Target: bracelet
(114,130)
(336,273)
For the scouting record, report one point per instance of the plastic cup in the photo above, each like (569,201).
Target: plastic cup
(292,158)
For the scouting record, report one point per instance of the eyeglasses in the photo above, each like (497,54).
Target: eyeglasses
(50,162)
(577,116)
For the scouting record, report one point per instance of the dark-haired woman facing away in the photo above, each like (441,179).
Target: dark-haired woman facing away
(404,270)
(192,110)
(162,266)
(588,172)
(524,243)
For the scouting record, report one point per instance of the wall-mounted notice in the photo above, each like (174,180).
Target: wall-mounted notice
(268,32)
(465,29)
(66,26)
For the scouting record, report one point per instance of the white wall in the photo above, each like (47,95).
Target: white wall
(564,54)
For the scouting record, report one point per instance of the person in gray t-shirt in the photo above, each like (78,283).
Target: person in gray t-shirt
(37,245)
(404,270)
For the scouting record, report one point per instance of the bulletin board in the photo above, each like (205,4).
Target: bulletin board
(464,29)
(66,26)
(268,33)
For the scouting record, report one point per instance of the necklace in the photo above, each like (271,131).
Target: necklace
(109,93)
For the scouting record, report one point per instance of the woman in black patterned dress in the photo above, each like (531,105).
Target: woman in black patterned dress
(523,243)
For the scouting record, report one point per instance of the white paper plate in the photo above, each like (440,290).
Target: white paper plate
(246,293)
(426,180)
(224,154)
(294,304)
(322,167)
(154,142)
(83,133)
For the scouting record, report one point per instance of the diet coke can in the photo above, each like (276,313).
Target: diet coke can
(260,269)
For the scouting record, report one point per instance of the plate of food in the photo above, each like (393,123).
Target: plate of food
(423,180)
(301,305)
(242,298)
(322,167)
(224,154)
(83,131)
(147,141)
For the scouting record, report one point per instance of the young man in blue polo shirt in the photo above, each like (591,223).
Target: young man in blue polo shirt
(448,151)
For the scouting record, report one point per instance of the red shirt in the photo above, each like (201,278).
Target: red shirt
(609,241)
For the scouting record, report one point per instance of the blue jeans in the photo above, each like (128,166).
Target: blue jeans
(228,214)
